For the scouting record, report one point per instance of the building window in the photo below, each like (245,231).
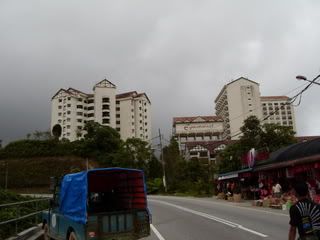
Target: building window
(60,100)
(79,127)
(79,106)
(79,114)
(118,122)
(80,99)
(250,104)
(140,114)
(117,109)
(105,100)
(59,121)
(132,123)
(249,99)
(90,101)
(290,123)
(105,107)
(117,115)
(145,110)
(85,101)
(85,108)
(68,134)
(59,107)
(68,126)
(79,120)
(140,128)
(105,114)
(131,110)
(85,115)
(106,120)
(68,112)
(140,121)
(118,129)
(91,108)
(90,115)
(132,130)
(69,98)
(132,117)
(117,102)
(145,124)
(68,119)
(140,108)
(69,105)
(146,130)
(145,117)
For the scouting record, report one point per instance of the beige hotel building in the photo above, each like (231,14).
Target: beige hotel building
(129,113)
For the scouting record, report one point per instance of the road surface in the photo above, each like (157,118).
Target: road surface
(202,219)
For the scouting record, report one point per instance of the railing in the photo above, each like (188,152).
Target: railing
(15,217)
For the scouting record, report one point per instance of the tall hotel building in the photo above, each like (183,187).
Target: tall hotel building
(128,113)
(241,98)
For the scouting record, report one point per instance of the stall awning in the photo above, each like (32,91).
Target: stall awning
(291,163)
(234,174)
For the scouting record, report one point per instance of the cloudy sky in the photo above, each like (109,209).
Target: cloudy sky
(180,52)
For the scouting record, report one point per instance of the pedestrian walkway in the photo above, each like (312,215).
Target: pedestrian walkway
(248,204)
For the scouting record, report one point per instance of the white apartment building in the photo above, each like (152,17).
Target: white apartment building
(278,110)
(241,98)
(71,109)
(133,112)
(237,101)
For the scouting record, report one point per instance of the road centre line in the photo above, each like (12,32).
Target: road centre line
(211,217)
(156,232)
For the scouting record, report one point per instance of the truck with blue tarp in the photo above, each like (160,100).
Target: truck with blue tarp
(107,203)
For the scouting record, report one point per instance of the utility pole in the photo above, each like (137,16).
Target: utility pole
(163,164)
(6,181)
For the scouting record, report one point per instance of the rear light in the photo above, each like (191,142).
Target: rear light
(91,234)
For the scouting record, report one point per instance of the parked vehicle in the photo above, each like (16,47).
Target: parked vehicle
(107,203)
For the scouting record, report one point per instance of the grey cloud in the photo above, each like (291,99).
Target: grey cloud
(180,53)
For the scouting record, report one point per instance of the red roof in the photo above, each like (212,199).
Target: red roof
(306,138)
(126,94)
(270,98)
(192,119)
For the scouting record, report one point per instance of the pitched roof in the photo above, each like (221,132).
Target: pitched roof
(104,83)
(225,86)
(132,94)
(126,94)
(61,90)
(75,90)
(274,98)
(192,119)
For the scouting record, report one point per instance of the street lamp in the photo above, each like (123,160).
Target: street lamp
(301,77)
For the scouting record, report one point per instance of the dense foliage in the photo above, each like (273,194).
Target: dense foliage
(188,177)
(12,212)
(269,137)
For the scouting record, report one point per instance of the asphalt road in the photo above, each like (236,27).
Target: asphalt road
(190,218)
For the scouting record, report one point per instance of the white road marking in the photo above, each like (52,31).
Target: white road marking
(211,217)
(156,232)
(226,204)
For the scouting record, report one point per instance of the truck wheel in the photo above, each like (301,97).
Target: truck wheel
(72,236)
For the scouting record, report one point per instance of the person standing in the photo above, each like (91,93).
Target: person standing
(277,190)
(304,215)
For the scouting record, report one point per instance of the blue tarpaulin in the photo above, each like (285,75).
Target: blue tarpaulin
(74,192)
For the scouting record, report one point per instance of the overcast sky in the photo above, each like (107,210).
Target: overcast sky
(180,53)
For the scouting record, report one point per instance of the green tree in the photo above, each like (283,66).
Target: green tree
(100,142)
(275,136)
(172,160)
